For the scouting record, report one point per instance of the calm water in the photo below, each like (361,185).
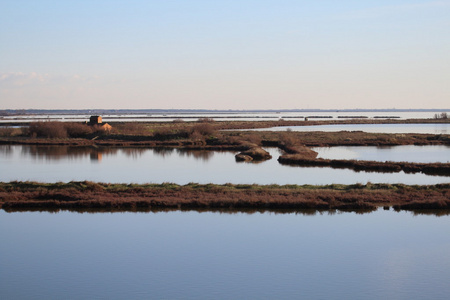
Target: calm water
(234,116)
(372,128)
(140,165)
(420,154)
(191,255)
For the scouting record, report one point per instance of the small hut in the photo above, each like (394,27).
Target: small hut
(93,120)
(97,121)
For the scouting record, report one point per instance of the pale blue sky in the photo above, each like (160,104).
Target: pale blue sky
(281,54)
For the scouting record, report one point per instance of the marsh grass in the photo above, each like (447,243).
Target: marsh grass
(442,169)
(10,131)
(62,130)
(203,135)
(92,195)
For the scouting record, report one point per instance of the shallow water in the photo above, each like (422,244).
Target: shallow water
(419,154)
(372,128)
(143,165)
(191,255)
(224,116)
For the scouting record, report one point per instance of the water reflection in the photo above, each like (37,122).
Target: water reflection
(163,151)
(305,212)
(65,152)
(96,156)
(180,166)
(96,153)
(190,255)
(437,128)
(231,211)
(133,153)
(408,153)
(202,155)
(6,150)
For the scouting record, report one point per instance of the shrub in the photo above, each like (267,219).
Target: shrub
(203,129)
(195,135)
(60,129)
(288,140)
(8,131)
(77,129)
(254,138)
(47,130)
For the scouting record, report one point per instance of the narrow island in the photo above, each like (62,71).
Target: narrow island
(85,195)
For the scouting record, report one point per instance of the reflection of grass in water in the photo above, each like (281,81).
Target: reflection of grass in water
(133,152)
(6,150)
(305,212)
(163,151)
(204,155)
(58,152)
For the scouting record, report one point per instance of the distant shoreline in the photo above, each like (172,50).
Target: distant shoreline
(6,112)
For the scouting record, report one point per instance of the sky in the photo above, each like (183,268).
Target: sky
(204,54)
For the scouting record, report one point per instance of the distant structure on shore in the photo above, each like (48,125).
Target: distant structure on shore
(97,121)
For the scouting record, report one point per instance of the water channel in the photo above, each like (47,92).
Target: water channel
(192,255)
(144,165)
(215,255)
(443,128)
(227,116)
(409,153)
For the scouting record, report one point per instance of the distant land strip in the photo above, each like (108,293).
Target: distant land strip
(192,111)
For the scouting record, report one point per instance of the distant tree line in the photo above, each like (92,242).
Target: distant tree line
(441,116)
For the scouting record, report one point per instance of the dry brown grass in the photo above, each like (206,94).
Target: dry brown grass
(10,131)
(370,166)
(48,130)
(91,195)
(61,130)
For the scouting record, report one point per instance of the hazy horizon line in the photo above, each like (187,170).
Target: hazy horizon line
(224,110)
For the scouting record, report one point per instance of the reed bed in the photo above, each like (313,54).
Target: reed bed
(104,196)
(442,169)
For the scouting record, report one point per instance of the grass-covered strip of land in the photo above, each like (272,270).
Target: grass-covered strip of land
(442,169)
(207,132)
(15,196)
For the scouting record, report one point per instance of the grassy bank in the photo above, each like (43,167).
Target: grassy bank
(441,169)
(206,132)
(17,196)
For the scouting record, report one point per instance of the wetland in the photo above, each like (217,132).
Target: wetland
(200,153)
(152,210)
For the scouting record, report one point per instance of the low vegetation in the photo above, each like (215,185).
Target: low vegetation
(90,195)
(443,116)
(8,131)
(369,166)
(60,130)
(207,134)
